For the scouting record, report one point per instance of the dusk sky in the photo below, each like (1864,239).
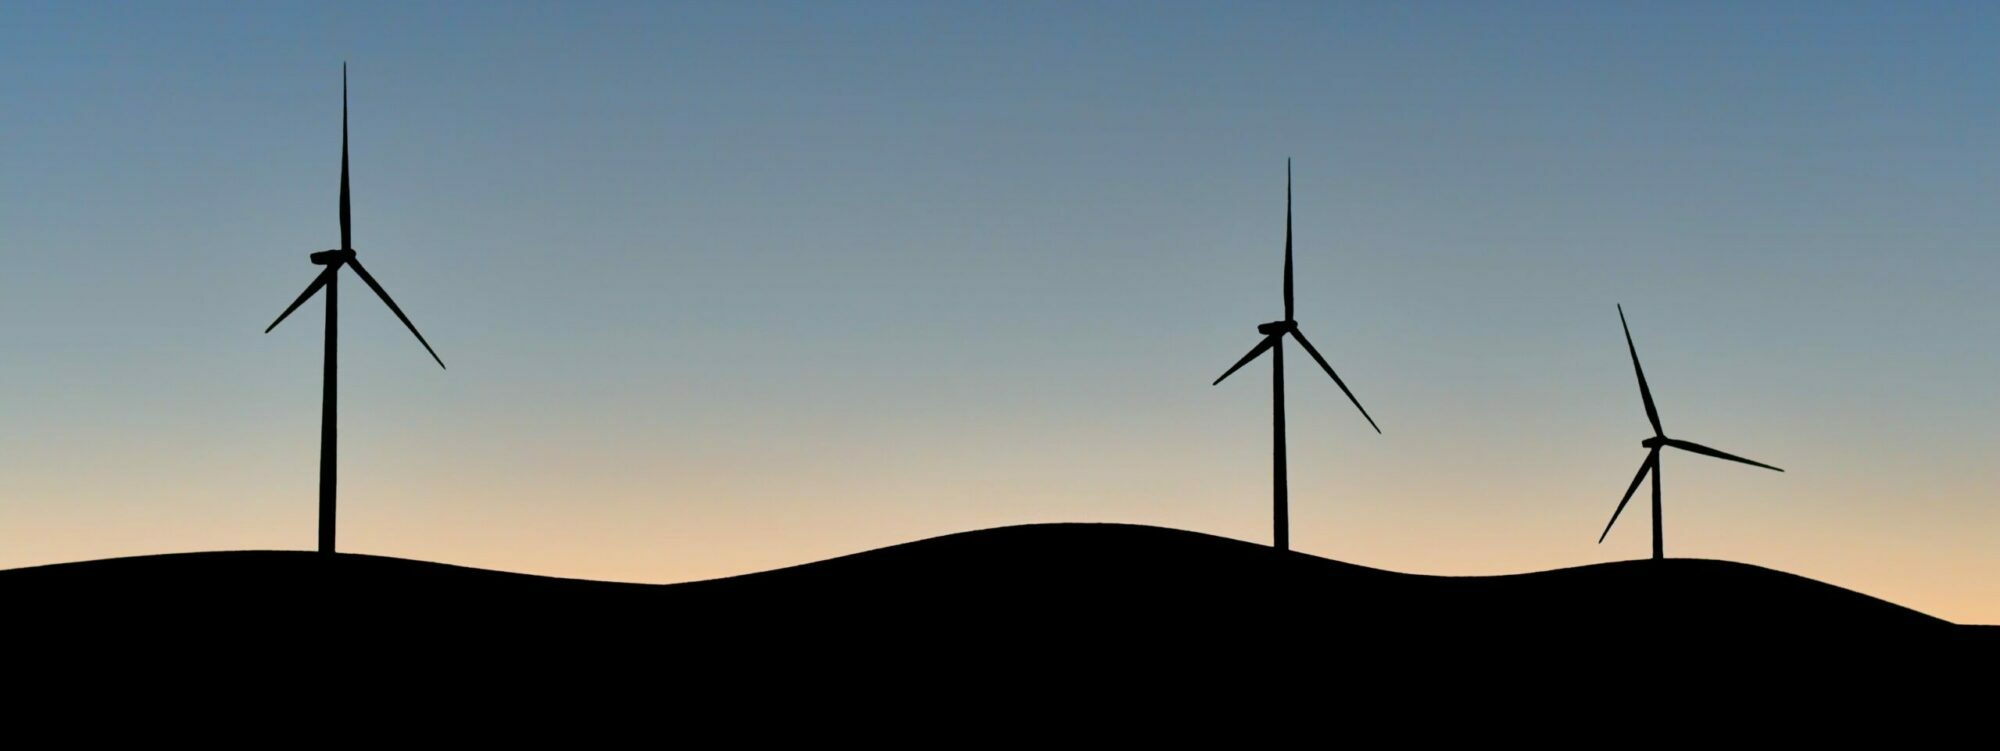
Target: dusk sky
(731,286)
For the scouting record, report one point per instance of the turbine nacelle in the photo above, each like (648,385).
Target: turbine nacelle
(331,257)
(1278,327)
(1654,442)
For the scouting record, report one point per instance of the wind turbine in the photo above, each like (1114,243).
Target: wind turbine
(1274,340)
(1653,446)
(329,278)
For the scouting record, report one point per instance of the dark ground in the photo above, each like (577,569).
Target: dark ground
(1058,610)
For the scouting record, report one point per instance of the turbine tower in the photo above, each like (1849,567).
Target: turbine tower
(1274,340)
(1653,445)
(329,279)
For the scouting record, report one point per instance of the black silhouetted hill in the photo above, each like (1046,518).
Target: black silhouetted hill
(1068,594)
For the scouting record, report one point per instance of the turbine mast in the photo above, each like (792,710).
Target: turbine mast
(329,408)
(1281,513)
(1659,530)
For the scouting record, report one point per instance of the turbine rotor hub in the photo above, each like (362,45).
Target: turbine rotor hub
(330,257)
(1277,327)
(1654,442)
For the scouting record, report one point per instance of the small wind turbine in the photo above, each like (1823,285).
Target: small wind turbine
(330,280)
(1653,446)
(1274,340)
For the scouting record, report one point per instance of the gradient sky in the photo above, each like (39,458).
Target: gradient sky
(729,286)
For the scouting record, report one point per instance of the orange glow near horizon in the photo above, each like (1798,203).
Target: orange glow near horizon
(708,517)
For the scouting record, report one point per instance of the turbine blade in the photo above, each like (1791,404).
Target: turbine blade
(317,282)
(346,216)
(369,279)
(1254,352)
(1644,467)
(1288,238)
(1301,336)
(1700,449)
(1652,413)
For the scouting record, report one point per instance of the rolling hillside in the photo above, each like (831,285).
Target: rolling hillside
(1037,593)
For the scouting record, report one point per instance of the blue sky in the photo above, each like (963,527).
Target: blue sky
(728,286)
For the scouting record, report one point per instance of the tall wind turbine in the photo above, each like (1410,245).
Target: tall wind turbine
(329,278)
(1653,446)
(1274,340)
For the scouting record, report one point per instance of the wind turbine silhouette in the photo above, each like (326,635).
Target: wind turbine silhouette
(1653,446)
(1274,340)
(329,279)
